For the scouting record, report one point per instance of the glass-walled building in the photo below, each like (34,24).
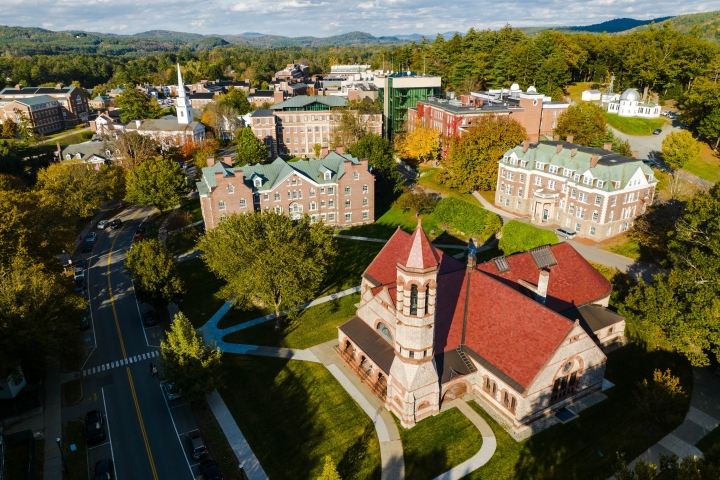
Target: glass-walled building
(399,91)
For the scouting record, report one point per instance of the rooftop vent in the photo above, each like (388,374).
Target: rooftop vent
(501,264)
(543,257)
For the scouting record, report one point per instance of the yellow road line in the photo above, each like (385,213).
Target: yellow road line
(142,425)
(122,346)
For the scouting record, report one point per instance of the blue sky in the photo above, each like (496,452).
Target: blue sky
(327,17)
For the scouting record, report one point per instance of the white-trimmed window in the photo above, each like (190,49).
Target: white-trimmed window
(598,199)
(277,196)
(520,192)
(522,177)
(347,190)
(365,189)
(577,227)
(356,176)
(257,181)
(231,189)
(553,169)
(600,183)
(502,173)
(331,203)
(365,214)
(332,217)
(576,177)
(595,216)
(331,190)
(313,206)
(538,181)
(365,202)
(312,192)
(610,218)
(587,180)
(221,205)
(571,209)
(348,217)
(347,203)
(278,209)
(242,203)
(592,230)
(582,196)
(551,184)
(327,175)
(613,201)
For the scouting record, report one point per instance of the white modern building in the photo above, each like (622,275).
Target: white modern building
(630,104)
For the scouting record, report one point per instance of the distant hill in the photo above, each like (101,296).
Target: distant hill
(706,24)
(352,38)
(616,25)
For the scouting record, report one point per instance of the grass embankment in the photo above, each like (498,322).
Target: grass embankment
(634,125)
(216,441)
(521,237)
(294,413)
(707,166)
(429,178)
(624,246)
(436,444)
(575,91)
(199,302)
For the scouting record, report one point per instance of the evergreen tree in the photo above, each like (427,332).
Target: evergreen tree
(249,148)
(329,470)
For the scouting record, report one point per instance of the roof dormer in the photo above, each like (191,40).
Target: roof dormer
(256,180)
(326,172)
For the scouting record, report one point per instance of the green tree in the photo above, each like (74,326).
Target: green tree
(236,99)
(189,364)
(9,128)
(249,148)
(417,202)
(381,157)
(471,162)
(153,272)
(329,470)
(586,123)
(135,105)
(39,315)
(661,400)
(317,149)
(680,308)
(269,258)
(709,127)
(160,183)
(352,122)
(653,228)
(679,148)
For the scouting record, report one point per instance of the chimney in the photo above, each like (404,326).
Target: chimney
(210,161)
(526,145)
(227,160)
(18,87)
(471,262)
(635,154)
(573,152)
(542,287)
(569,139)
(279,97)
(59,86)
(558,148)
(556,138)
(607,146)
(594,160)
(324,152)
(340,149)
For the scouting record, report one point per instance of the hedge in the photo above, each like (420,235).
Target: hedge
(521,237)
(467,218)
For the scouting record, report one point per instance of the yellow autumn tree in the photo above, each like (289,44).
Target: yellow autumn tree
(421,143)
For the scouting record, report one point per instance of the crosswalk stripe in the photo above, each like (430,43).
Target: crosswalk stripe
(144,357)
(93,369)
(103,368)
(84,372)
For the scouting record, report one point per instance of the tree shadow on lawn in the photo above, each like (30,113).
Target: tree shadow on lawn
(586,447)
(290,426)
(353,258)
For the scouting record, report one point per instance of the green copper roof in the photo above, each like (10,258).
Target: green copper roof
(305,100)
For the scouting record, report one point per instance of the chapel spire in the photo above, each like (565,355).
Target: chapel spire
(184,106)
(422,254)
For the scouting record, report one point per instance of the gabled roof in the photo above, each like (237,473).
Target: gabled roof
(87,150)
(40,99)
(302,101)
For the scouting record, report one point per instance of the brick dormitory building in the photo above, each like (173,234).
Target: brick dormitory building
(595,192)
(47,109)
(338,190)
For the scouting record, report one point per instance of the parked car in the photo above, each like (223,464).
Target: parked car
(94,431)
(170,392)
(137,237)
(196,445)
(91,237)
(102,224)
(84,323)
(87,247)
(564,232)
(79,273)
(149,318)
(210,470)
(104,470)
(115,224)
(140,230)
(657,131)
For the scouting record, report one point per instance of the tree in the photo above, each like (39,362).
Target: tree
(135,105)
(422,143)
(329,470)
(269,258)
(586,123)
(709,127)
(661,400)
(153,272)
(236,99)
(671,467)
(133,148)
(417,202)
(679,148)
(653,228)
(9,128)
(161,183)
(220,118)
(680,308)
(249,148)
(39,315)
(472,159)
(25,129)
(381,157)
(189,364)
(317,148)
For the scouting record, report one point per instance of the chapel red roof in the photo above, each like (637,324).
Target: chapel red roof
(422,254)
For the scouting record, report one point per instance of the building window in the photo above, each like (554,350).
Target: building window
(598,199)
(313,206)
(330,190)
(365,202)
(506,399)
(413,299)
(322,190)
(551,184)
(573,193)
(502,173)
(577,227)
(538,181)
(356,176)
(221,205)
(513,404)
(266,196)
(242,203)
(348,217)
(365,189)
(595,216)
(592,230)
(613,201)
(223,218)
(522,177)
(553,169)
(494,389)
(331,203)
(365,215)
(312,192)
(507,202)
(518,204)
(582,197)
(520,192)
(332,217)
(571,209)
(231,189)
(411,354)
(347,190)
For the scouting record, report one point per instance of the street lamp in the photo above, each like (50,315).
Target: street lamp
(242,471)
(65,468)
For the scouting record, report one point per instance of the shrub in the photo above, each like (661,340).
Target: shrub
(661,401)
(521,237)
(417,202)
(469,219)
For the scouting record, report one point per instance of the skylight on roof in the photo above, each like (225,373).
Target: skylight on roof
(543,257)
(501,264)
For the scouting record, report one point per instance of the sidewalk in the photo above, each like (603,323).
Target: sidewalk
(53,424)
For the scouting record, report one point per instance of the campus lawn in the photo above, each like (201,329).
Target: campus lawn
(436,444)
(311,327)
(488,195)
(575,90)
(295,413)
(199,302)
(182,242)
(586,447)
(707,166)
(429,179)
(385,226)
(624,246)
(192,206)
(634,125)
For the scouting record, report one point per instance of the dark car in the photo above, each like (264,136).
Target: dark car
(80,285)
(94,431)
(104,470)
(564,232)
(137,237)
(87,247)
(84,323)
(140,230)
(115,224)
(210,470)
(149,318)
(91,237)
(196,445)
(657,131)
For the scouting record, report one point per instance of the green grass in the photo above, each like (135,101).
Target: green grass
(521,237)
(633,125)
(709,441)
(183,242)
(575,90)
(624,246)
(570,451)
(430,179)
(199,302)
(192,206)
(385,226)
(436,444)
(74,434)
(707,166)
(216,441)
(488,195)
(311,327)
(294,413)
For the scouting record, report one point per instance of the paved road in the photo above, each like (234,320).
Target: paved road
(142,427)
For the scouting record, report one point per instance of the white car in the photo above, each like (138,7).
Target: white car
(102,224)
(79,273)
(170,392)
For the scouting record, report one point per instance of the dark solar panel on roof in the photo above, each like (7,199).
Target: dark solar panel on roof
(501,264)
(543,257)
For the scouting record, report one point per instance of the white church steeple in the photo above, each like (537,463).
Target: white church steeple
(184,109)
